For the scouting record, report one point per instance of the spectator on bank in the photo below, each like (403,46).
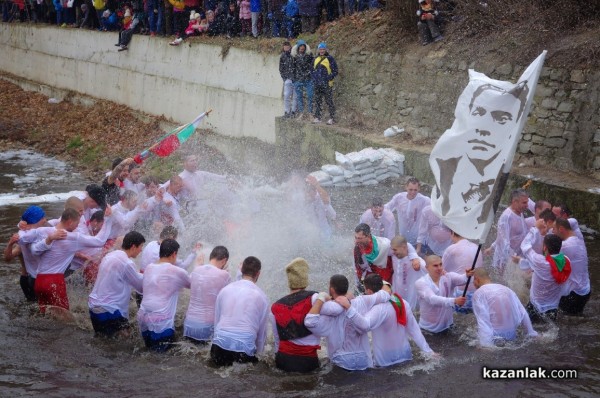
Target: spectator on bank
(156,15)
(276,10)
(180,19)
(89,17)
(233,25)
(197,25)
(292,19)
(59,11)
(286,70)
(245,16)
(428,23)
(109,21)
(324,71)
(255,8)
(131,25)
(309,11)
(168,29)
(220,25)
(99,6)
(303,66)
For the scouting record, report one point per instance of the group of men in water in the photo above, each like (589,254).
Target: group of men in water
(424,267)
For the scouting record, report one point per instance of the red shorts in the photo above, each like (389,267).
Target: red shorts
(51,289)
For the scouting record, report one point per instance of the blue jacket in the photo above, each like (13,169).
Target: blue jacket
(255,6)
(291,9)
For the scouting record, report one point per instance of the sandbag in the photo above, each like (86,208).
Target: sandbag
(343,161)
(333,170)
(321,176)
(371,182)
(337,179)
(368,177)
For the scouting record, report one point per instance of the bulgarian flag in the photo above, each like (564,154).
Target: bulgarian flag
(171,141)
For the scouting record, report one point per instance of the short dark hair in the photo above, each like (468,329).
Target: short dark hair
(133,166)
(413,180)
(168,232)
(540,203)
(517,193)
(131,239)
(377,202)
(98,216)
(251,266)
(69,214)
(563,222)
(147,180)
(553,243)
(129,195)
(364,228)
(547,215)
(563,208)
(168,247)
(373,282)
(116,162)
(339,284)
(219,253)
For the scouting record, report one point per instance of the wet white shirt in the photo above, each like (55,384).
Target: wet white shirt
(579,280)
(32,261)
(124,219)
(409,214)
(151,254)
(206,283)
(384,226)
(511,231)
(390,339)
(112,289)
(137,187)
(404,278)
(436,302)
(459,257)
(433,232)
(241,317)
(347,347)
(545,292)
(499,312)
(169,214)
(161,285)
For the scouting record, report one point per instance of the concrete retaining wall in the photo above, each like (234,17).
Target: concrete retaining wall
(243,88)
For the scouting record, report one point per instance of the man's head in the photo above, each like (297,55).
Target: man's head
(301,45)
(562,228)
(434,267)
(362,235)
(287,47)
(297,274)
(413,186)
(322,48)
(454,236)
(129,199)
(34,216)
(168,232)
(251,267)
(338,285)
(135,173)
(96,221)
(561,210)
(481,277)
(548,217)
(175,185)
(519,199)
(373,283)
(151,183)
(377,208)
(168,250)
(70,219)
(552,244)
(399,246)
(133,240)
(74,202)
(96,197)
(219,256)
(190,163)
(540,206)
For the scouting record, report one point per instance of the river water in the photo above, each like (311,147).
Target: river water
(43,357)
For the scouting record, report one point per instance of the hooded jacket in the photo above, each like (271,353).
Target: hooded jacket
(325,70)
(303,63)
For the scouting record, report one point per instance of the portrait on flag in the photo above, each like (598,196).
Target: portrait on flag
(469,158)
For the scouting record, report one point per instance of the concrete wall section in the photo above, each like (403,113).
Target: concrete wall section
(243,88)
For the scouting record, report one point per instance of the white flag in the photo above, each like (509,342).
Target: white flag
(469,158)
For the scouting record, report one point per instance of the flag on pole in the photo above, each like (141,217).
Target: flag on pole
(171,141)
(472,159)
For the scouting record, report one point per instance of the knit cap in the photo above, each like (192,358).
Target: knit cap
(33,215)
(322,45)
(297,273)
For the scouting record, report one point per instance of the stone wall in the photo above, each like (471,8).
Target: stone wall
(419,90)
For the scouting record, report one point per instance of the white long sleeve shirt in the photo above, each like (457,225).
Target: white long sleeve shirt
(32,261)
(499,312)
(161,285)
(579,280)
(124,219)
(346,346)
(404,278)
(433,232)
(545,292)
(151,254)
(409,214)
(116,276)
(384,226)
(206,283)
(459,257)
(390,339)
(241,317)
(436,302)
(511,231)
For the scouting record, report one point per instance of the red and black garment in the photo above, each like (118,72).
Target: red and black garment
(560,267)
(289,313)
(385,273)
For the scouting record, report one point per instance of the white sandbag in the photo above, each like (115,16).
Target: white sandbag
(381,170)
(394,175)
(392,131)
(321,176)
(392,154)
(341,185)
(337,179)
(371,182)
(383,176)
(366,171)
(362,166)
(387,161)
(354,180)
(351,173)
(372,154)
(326,183)
(343,161)
(356,184)
(333,170)
(356,158)
(367,177)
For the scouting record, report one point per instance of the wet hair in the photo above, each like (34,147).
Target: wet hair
(339,284)
(398,240)
(147,180)
(219,253)
(553,243)
(134,166)
(430,259)
(98,216)
(540,204)
(168,247)
(547,215)
(251,266)
(481,273)
(563,208)
(116,162)
(168,232)
(563,222)
(377,202)
(518,193)
(175,179)
(373,282)
(131,239)
(413,180)
(364,228)
(69,214)
(129,195)
(72,202)
(520,92)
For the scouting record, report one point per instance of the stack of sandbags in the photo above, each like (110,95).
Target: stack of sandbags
(367,167)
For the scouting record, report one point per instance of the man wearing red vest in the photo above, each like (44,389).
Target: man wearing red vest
(296,345)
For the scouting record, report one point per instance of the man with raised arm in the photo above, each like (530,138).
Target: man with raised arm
(407,270)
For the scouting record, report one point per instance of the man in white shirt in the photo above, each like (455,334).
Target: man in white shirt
(562,211)
(169,206)
(498,311)
(434,236)
(576,291)
(409,207)
(538,207)
(161,285)
(132,182)
(318,208)
(391,324)
(109,300)
(241,317)
(408,268)
(380,219)
(206,282)
(436,296)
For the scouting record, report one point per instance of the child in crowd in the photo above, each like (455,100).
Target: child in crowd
(245,17)
(197,25)
(233,21)
(109,21)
